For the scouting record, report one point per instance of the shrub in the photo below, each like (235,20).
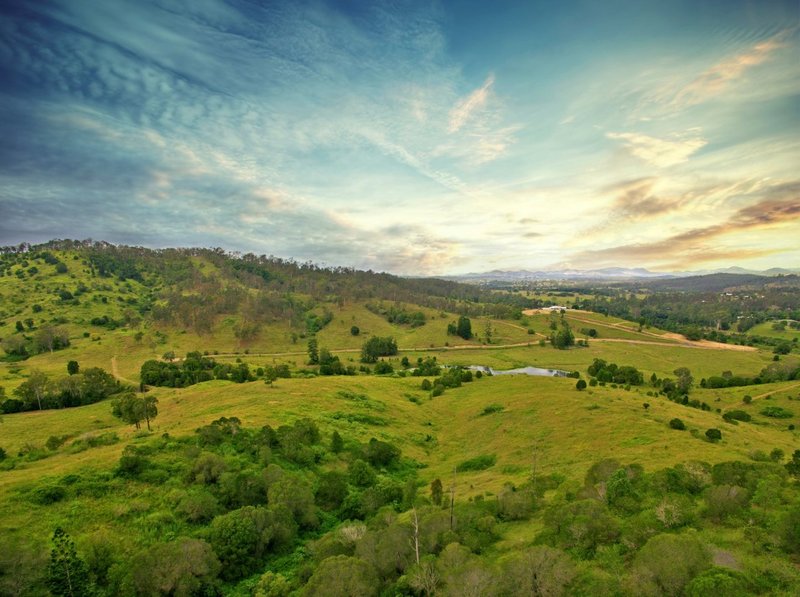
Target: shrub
(378,347)
(49,494)
(713,434)
(776,412)
(492,408)
(736,415)
(677,424)
(383,367)
(479,463)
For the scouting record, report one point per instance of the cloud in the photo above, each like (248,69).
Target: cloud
(636,199)
(717,79)
(474,102)
(778,205)
(662,153)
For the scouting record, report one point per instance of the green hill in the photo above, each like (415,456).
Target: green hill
(243,487)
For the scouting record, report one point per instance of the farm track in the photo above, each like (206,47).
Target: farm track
(685,344)
(765,394)
(115,372)
(677,339)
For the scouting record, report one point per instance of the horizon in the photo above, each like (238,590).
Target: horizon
(418,140)
(62,244)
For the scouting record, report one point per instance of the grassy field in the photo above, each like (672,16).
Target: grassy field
(517,423)
(765,329)
(548,412)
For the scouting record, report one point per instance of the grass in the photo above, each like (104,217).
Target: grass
(765,329)
(529,418)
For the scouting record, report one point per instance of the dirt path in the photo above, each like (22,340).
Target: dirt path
(678,339)
(765,394)
(115,372)
(409,349)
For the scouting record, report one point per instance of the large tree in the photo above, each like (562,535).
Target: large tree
(133,409)
(32,389)
(180,568)
(464,328)
(343,576)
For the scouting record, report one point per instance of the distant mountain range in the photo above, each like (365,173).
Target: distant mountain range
(609,273)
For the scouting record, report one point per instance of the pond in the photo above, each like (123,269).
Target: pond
(521,371)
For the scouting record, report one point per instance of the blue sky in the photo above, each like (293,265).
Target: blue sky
(416,138)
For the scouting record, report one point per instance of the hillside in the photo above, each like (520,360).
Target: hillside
(247,476)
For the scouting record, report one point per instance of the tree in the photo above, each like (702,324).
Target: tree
(343,576)
(180,568)
(713,434)
(464,327)
(23,568)
(67,573)
(684,380)
(337,443)
(793,466)
(73,368)
(424,576)
(34,388)
(272,584)
(539,570)
(332,490)
(378,347)
(50,339)
(724,501)
(313,352)
(666,564)
(130,409)
(354,330)
(677,424)
(361,474)
(580,385)
(383,368)
(436,492)
(790,527)
(296,495)
(562,338)
(149,409)
(240,539)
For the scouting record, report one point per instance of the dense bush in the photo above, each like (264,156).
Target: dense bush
(677,424)
(478,463)
(777,412)
(377,347)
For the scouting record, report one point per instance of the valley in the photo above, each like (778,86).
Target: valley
(485,471)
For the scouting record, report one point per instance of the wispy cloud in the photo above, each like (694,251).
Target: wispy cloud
(720,76)
(777,205)
(637,199)
(468,106)
(659,152)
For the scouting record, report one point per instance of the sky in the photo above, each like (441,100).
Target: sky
(418,138)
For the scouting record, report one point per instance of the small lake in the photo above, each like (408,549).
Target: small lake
(520,371)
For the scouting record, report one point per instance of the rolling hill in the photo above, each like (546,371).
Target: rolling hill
(529,462)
